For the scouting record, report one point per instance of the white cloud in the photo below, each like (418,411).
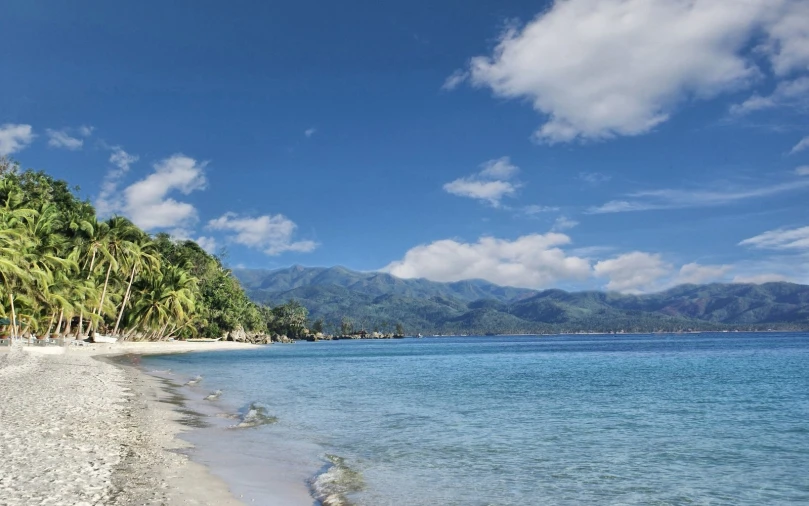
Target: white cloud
(635,272)
(531,261)
(147,202)
(271,234)
(534,209)
(455,80)
(109,200)
(489,184)
(14,138)
(780,239)
(803,170)
(490,191)
(86,130)
(758,279)
(679,199)
(697,274)
(207,243)
(61,139)
(564,223)
(800,146)
(603,68)
(787,93)
(310,132)
(594,178)
(500,168)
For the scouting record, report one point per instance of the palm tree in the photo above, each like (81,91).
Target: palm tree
(140,255)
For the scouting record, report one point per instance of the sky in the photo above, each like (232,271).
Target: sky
(627,145)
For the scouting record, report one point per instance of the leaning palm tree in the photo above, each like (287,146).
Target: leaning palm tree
(140,255)
(122,234)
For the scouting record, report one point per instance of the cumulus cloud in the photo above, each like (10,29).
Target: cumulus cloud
(603,68)
(780,239)
(530,261)
(273,234)
(109,200)
(147,202)
(697,274)
(679,199)
(800,146)
(635,272)
(490,184)
(62,139)
(14,138)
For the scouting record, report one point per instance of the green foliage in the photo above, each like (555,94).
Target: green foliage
(60,266)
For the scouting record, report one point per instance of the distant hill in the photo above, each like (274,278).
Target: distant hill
(376,300)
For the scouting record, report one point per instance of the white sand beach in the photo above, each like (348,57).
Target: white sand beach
(76,430)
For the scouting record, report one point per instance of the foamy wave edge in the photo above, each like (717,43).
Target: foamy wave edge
(335,481)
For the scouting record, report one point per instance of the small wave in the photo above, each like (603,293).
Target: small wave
(213,395)
(332,486)
(194,381)
(255,415)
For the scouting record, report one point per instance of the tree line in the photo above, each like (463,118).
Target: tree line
(65,272)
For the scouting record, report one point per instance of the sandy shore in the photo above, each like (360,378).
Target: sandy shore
(77,430)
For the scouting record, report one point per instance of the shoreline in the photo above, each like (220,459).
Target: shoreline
(81,426)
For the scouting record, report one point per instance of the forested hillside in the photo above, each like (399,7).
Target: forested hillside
(378,301)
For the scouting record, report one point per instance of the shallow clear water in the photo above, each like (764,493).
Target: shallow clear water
(663,419)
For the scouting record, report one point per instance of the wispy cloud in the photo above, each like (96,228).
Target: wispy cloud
(490,184)
(109,200)
(786,94)
(803,170)
(564,223)
(62,139)
(594,178)
(310,132)
(679,199)
(800,146)
(534,210)
(455,80)
(14,138)
(780,239)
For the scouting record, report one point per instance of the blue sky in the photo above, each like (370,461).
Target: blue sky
(621,144)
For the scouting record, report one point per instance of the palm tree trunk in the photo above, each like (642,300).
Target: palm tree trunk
(126,299)
(92,263)
(59,325)
(81,320)
(103,292)
(13,316)
(50,325)
(68,323)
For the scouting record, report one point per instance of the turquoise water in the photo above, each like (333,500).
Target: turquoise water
(662,419)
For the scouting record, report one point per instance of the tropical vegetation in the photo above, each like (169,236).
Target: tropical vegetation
(64,271)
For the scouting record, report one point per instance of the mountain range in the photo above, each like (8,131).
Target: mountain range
(378,301)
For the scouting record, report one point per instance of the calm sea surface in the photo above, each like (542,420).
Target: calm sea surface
(646,419)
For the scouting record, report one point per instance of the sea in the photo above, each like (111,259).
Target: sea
(658,419)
